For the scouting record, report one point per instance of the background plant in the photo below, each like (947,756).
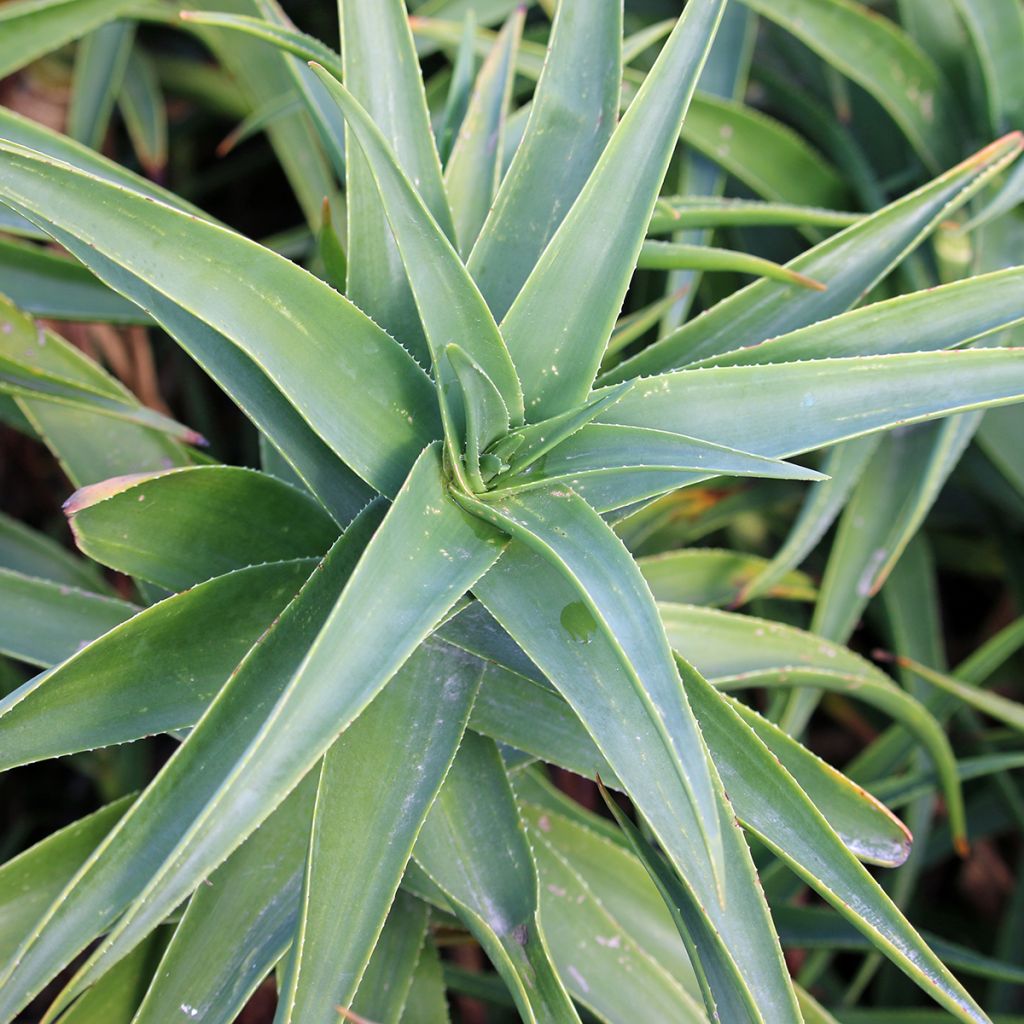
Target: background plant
(504,274)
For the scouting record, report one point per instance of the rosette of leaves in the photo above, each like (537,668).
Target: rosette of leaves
(363,648)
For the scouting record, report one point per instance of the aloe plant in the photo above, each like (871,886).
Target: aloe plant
(365,649)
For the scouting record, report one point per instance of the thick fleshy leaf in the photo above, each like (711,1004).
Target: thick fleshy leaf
(292,677)
(571,118)
(381,70)
(766,155)
(340,490)
(891,499)
(183,526)
(154,673)
(385,987)
(716,578)
(657,255)
(31,28)
(486,413)
(726,992)
(614,954)
(33,879)
(42,283)
(237,926)
(457,100)
(556,346)
(781,409)
(144,112)
(588,675)
(449,303)
(474,848)
(45,622)
(879,56)
(100,62)
(91,443)
(36,554)
(325,347)
(849,263)
(610,602)
(17,128)
(116,996)
(43,388)
(362,836)
(796,831)
(530,716)
(473,171)
(824,501)
(427,1002)
(674,212)
(105,885)
(996,28)
(948,316)
(612,466)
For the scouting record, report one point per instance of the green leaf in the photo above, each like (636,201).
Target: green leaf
(1002,709)
(144,113)
(766,155)
(43,389)
(457,100)
(486,413)
(362,836)
(427,1002)
(382,72)
(389,974)
(45,622)
(36,877)
(997,438)
(727,994)
(557,346)
(609,602)
(606,925)
(42,283)
(655,255)
(844,465)
(591,678)
(473,170)
(449,303)
(996,28)
(262,75)
(948,316)
(100,62)
(237,926)
(717,578)
(818,928)
(90,443)
(116,996)
(330,347)
(888,505)
(183,526)
(796,831)
(781,409)
(880,57)
(156,672)
(291,677)
(22,131)
(571,117)
(613,466)
(889,698)
(674,212)
(473,846)
(31,28)
(849,263)
(35,554)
